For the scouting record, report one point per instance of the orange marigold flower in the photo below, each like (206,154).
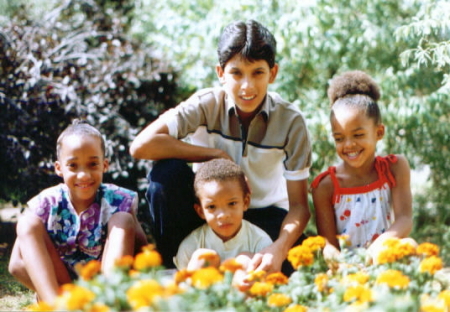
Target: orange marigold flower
(148,258)
(260,289)
(393,278)
(125,261)
(321,281)
(231,265)
(278,300)
(300,256)
(277,278)
(182,275)
(209,257)
(143,293)
(358,293)
(314,243)
(428,249)
(73,297)
(296,308)
(205,277)
(89,270)
(445,296)
(431,265)
(40,306)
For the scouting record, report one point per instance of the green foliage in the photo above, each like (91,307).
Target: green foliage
(76,61)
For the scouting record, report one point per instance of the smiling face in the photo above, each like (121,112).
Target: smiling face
(246,82)
(355,135)
(222,205)
(81,163)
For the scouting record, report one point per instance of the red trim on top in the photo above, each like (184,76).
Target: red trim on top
(382,165)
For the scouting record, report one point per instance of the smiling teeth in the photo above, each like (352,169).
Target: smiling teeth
(248,97)
(353,154)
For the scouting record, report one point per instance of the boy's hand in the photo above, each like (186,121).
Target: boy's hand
(269,260)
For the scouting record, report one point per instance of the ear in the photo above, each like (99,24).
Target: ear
(220,74)
(380,131)
(199,211)
(58,168)
(247,199)
(273,73)
(105,165)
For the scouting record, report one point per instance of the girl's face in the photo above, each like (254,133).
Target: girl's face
(246,82)
(222,205)
(81,164)
(355,135)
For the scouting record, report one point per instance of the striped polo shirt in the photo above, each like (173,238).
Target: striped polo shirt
(277,147)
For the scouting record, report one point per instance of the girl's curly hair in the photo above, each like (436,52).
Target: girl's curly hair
(357,89)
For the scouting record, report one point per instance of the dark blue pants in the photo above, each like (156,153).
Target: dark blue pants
(172,216)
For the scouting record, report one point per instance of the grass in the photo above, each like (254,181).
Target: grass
(13,296)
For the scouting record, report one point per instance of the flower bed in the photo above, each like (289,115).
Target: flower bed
(405,278)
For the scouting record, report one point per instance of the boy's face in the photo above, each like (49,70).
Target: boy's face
(222,205)
(81,164)
(246,82)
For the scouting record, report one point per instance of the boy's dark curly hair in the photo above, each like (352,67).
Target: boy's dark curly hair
(220,169)
(357,89)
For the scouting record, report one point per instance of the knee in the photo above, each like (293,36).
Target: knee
(30,225)
(124,221)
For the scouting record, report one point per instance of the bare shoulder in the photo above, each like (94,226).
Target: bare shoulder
(324,189)
(401,166)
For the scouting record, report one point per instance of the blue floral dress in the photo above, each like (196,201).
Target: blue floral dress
(80,238)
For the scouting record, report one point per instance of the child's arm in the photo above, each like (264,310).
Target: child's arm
(155,143)
(401,201)
(324,211)
(271,258)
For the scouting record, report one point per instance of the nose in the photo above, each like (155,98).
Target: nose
(222,214)
(83,174)
(349,142)
(247,82)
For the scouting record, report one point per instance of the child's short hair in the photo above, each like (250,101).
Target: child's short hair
(357,89)
(81,128)
(220,169)
(249,39)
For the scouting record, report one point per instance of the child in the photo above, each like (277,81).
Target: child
(366,197)
(241,121)
(223,196)
(75,222)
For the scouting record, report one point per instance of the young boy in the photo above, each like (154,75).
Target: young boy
(265,135)
(75,222)
(223,196)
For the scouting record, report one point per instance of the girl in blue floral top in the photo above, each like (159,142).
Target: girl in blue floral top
(75,222)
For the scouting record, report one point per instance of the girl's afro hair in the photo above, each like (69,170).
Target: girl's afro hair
(353,82)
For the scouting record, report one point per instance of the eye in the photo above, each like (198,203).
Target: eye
(233,203)
(359,135)
(94,164)
(72,165)
(338,139)
(210,207)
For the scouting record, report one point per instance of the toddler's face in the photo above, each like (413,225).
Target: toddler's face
(81,164)
(246,82)
(222,205)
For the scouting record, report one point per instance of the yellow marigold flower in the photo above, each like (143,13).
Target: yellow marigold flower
(278,300)
(405,249)
(210,257)
(148,258)
(182,275)
(432,307)
(314,243)
(296,308)
(445,296)
(205,277)
(261,289)
(321,281)
(256,275)
(277,278)
(172,289)
(73,297)
(300,256)
(358,293)
(231,265)
(430,265)
(356,278)
(428,249)
(395,249)
(143,293)
(125,261)
(39,306)
(393,278)
(99,307)
(89,270)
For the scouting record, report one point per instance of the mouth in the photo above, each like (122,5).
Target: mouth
(248,98)
(84,185)
(353,154)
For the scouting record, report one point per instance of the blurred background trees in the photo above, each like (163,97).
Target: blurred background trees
(120,63)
